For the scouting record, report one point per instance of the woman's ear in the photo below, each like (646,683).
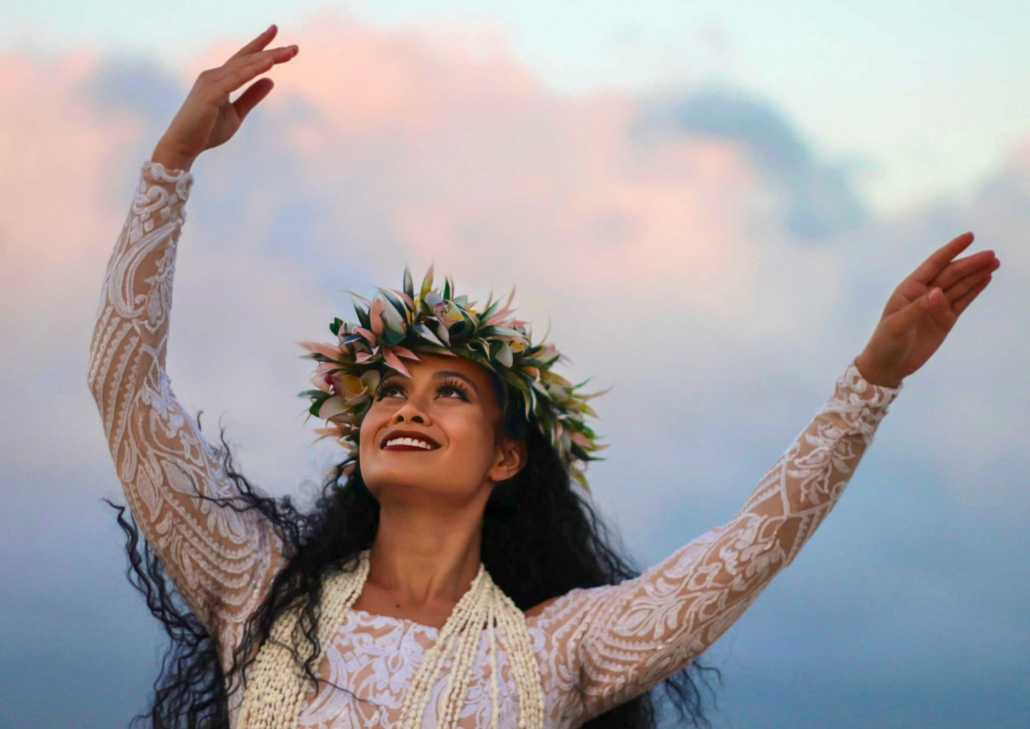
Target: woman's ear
(510,460)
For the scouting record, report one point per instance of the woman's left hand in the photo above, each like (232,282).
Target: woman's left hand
(923,310)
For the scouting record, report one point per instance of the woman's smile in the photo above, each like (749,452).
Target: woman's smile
(406,446)
(408,440)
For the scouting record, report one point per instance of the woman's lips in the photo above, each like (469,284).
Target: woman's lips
(400,434)
(409,448)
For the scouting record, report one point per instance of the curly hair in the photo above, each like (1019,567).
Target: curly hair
(540,540)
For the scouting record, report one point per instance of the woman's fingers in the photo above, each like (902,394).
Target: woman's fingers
(939,259)
(257,44)
(252,97)
(243,70)
(960,304)
(277,55)
(957,270)
(242,76)
(961,287)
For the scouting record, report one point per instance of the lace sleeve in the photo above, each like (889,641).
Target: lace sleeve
(221,561)
(618,641)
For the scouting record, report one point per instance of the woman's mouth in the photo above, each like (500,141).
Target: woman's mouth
(408,444)
(408,441)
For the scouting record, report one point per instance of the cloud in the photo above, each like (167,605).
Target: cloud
(818,197)
(654,222)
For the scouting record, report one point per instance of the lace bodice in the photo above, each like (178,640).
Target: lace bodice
(597,647)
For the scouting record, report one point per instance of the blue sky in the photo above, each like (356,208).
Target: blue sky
(767,175)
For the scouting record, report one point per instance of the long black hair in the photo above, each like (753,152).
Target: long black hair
(540,539)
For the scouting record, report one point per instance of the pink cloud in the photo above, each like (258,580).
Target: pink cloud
(483,167)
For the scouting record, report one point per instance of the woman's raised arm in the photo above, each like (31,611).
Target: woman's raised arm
(619,641)
(221,560)
(615,642)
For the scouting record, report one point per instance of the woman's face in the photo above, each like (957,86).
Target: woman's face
(450,402)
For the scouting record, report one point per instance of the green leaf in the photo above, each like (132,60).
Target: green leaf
(457,332)
(432,349)
(501,352)
(427,283)
(317,402)
(481,346)
(409,287)
(427,333)
(500,331)
(521,388)
(490,309)
(363,317)
(408,302)
(392,298)
(395,322)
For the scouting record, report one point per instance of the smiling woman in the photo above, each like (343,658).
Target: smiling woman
(493,506)
(394,545)
(457,579)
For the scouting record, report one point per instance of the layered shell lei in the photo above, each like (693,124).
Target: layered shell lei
(397,324)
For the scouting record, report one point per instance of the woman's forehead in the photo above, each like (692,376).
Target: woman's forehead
(429,364)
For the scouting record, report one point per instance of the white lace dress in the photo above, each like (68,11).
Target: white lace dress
(596,647)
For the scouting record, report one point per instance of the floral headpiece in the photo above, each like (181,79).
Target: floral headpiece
(397,324)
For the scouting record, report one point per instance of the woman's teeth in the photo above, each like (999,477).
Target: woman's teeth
(409,442)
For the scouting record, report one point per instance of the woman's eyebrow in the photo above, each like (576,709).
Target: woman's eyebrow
(437,376)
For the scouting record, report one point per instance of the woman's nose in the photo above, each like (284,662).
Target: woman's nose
(410,412)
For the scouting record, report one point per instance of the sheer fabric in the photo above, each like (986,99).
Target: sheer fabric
(596,647)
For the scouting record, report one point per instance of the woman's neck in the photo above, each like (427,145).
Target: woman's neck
(424,559)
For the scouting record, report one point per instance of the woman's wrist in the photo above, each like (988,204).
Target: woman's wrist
(872,376)
(171,159)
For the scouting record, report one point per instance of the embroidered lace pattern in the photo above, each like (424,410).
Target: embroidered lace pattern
(596,647)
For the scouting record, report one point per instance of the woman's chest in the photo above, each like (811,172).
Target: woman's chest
(367,679)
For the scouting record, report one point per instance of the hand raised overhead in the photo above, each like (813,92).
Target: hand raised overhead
(922,311)
(207,117)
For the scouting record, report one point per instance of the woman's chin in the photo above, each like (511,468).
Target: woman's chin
(412,482)
(403,476)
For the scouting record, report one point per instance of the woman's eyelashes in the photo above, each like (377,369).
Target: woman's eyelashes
(454,386)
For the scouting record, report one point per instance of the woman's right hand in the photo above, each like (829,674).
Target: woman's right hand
(207,117)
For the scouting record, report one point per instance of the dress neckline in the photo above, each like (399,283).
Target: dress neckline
(407,622)
(531,621)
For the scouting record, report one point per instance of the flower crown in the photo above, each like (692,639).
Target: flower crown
(396,324)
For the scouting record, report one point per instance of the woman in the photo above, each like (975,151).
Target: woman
(449,575)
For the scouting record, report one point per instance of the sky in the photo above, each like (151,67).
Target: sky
(710,205)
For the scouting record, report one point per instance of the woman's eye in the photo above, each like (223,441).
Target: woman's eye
(452,387)
(447,387)
(384,390)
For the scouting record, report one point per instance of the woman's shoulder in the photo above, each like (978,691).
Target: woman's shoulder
(577,603)
(537,609)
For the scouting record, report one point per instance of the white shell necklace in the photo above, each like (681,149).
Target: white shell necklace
(275,687)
